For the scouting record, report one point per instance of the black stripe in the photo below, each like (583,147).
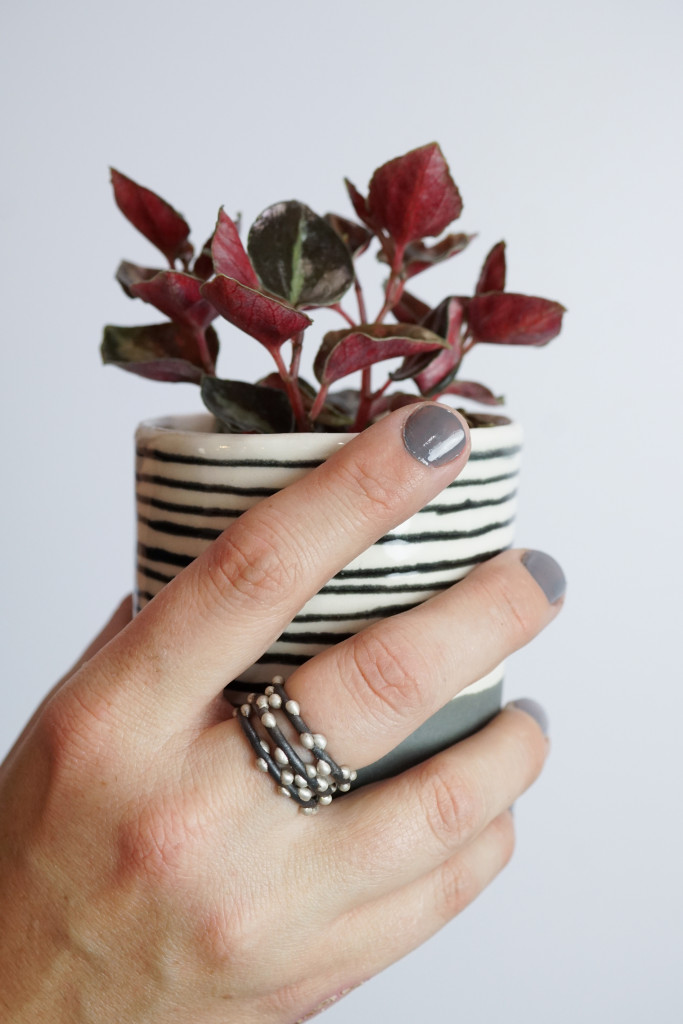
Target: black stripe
(197,460)
(488,480)
(204,533)
(190,510)
(379,612)
(179,529)
(408,587)
(152,574)
(284,659)
(193,485)
(160,555)
(417,538)
(146,595)
(155,554)
(233,513)
(464,506)
(495,453)
(313,638)
(268,492)
(422,567)
(376,588)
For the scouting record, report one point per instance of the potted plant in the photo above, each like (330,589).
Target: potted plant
(195,474)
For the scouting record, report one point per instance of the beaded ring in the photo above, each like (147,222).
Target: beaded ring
(310,777)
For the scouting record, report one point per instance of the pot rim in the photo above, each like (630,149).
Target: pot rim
(196,425)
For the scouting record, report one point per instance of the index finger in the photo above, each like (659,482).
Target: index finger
(225,609)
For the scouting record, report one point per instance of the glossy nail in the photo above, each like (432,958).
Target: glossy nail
(533,708)
(547,574)
(433,435)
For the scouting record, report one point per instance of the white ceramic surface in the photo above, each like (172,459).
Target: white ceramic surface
(192,483)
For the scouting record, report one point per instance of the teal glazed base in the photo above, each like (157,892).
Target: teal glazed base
(460,718)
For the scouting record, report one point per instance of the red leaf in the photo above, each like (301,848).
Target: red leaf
(355,236)
(492,277)
(268,320)
(178,296)
(414,195)
(419,257)
(388,403)
(360,204)
(344,352)
(176,371)
(470,389)
(203,265)
(446,363)
(229,256)
(503,318)
(129,274)
(410,310)
(153,217)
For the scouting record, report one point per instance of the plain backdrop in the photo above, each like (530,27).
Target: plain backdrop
(561,123)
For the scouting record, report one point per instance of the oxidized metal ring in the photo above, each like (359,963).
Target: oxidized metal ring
(285,748)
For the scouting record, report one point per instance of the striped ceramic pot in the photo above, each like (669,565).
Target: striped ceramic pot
(192,483)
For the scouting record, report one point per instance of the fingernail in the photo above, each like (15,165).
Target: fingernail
(433,435)
(531,707)
(547,574)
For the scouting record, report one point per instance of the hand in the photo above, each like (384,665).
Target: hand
(148,872)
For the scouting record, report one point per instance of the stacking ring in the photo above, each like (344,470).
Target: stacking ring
(307,774)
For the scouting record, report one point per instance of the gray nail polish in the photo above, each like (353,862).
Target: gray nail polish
(533,708)
(547,574)
(433,435)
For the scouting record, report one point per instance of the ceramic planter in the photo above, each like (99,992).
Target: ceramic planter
(192,483)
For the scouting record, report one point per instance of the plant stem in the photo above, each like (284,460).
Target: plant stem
(365,400)
(361,301)
(204,354)
(318,403)
(292,388)
(380,391)
(467,344)
(395,285)
(297,342)
(338,309)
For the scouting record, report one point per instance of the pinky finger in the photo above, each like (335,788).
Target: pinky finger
(384,931)
(364,941)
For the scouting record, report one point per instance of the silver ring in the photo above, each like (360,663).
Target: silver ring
(305,773)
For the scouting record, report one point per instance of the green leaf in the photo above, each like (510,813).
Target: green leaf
(243,408)
(165,351)
(298,256)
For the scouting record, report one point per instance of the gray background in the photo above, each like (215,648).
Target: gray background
(560,127)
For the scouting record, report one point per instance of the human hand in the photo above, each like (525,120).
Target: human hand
(149,873)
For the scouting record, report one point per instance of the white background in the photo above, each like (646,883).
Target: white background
(561,126)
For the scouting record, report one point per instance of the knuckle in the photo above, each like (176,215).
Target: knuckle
(452,809)
(456,886)
(366,489)
(257,562)
(513,614)
(155,841)
(389,673)
(76,731)
(505,833)
(458,880)
(532,755)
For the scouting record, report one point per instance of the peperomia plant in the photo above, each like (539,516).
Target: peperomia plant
(296,262)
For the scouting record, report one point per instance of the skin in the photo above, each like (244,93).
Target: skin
(148,872)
